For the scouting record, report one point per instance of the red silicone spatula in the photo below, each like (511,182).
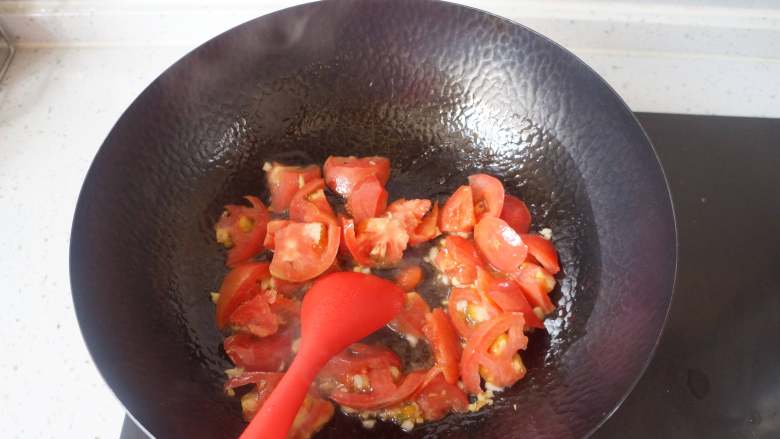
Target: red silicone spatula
(338,310)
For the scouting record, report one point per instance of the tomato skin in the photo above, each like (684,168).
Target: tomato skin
(242,229)
(409,277)
(303,255)
(271,353)
(499,244)
(458,215)
(488,195)
(479,355)
(412,318)
(240,285)
(536,283)
(444,342)
(516,214)
(440,397)
(367,200)
(309,204)
(543,251)
(342,174)
(458,259)
(284,181)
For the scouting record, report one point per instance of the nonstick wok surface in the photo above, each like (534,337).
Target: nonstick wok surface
(444,91)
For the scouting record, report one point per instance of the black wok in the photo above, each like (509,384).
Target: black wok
(444,91)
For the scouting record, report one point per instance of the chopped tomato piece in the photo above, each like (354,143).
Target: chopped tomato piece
(507,295)
(270,234)
(419,219)
(501,246)
(516,214)
(428,227)
(255,317)
(272,353)
(384,239)
(491,353)
(264,380)
(350,369)
(488,194)
(458,215)
(242,229)
(543,251)
(304,250)
(342,174)
(313,414)
(384,395)
(309,204)
(536,283)
(439,398)
(286,288)
(357,249)
(467,309)
(409,277)
(367,200)
(240,285)
(458,259)
(412,318)
(445,345)
(284,181)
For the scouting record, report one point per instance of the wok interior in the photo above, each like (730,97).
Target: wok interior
(444,92)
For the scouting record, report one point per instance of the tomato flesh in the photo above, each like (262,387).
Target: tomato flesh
(303,251)
(516,214)
(284,181)
(488,195)
(342,174)
(467,309)
(458,215)
(384,239)
(255,317)
(501,246)
(444,342)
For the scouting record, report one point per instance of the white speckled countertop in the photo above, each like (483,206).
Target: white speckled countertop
(80,64)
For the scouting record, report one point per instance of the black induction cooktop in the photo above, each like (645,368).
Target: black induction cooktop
(716,372)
